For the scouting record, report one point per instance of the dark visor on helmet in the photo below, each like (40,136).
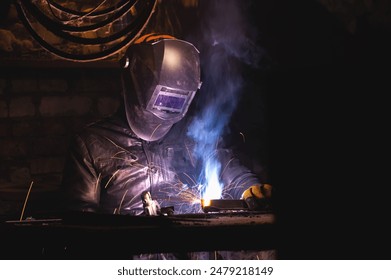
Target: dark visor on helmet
(167,101)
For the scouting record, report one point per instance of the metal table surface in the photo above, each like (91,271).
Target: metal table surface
(101,236)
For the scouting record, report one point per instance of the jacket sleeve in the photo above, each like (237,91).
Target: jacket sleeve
(80,182)
(235,176)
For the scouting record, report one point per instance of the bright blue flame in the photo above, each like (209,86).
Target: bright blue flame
(206,130)
(224,45)
(213,187)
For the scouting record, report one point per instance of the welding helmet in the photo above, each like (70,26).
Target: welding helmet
(161,75)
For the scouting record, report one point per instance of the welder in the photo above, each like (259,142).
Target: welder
(144,146)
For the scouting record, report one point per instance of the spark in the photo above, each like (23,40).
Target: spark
(188,176)
(244,138)
(122,200)
(185,192)
(119,147)
(188,192)
(97,182)
(190,155)
(112,176)
(189,195)
(225,167)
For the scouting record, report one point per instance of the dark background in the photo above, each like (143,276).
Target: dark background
(319,123)
(328,119)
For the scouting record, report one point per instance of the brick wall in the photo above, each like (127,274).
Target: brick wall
(40,109)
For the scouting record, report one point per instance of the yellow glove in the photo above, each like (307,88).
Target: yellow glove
(258,197)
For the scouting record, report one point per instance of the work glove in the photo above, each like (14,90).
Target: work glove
(258,197)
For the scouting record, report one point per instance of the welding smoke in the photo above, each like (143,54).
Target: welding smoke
(226,42)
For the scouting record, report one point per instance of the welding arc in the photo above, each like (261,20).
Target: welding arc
(108,46)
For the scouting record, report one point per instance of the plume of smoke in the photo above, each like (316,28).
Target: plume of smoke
(227,42)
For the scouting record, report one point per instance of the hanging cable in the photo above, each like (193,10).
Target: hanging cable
(81,19)
(94,11)
(87,36)
(60,30)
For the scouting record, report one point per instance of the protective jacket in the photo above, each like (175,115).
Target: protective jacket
(109,167)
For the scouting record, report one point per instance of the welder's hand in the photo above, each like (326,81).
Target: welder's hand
(258,197)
